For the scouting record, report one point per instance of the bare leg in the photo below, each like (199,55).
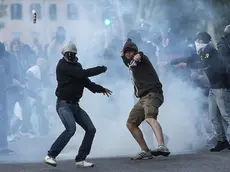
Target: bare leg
(156,129)
(138,135)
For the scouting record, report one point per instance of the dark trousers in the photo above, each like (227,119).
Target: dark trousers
(3,127)
(69,115)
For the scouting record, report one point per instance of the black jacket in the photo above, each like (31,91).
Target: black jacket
(72,79)
(223,47)
(208,59)
(215,71)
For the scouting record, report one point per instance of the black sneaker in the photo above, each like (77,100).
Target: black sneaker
(221,146)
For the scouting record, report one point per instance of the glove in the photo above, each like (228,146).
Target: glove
(103,68)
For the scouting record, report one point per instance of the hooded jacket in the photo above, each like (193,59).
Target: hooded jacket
(145,77)
(72,79)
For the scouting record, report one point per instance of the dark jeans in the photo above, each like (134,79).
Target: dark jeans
(3,127)
(69,114)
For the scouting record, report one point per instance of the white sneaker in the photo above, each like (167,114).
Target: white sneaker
(50,161)
(143,155)
(84,164)
(161,150)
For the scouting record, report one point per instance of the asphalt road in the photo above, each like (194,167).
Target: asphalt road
(203,162)
(197,162)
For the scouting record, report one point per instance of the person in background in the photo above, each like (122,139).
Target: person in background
(148,88)
(219,98)
(6,81)
(37,48)
(223,46)
(29,56)
(17,92)
(72,79)
(55,47)
(109,56)
(219,94)
(35,89)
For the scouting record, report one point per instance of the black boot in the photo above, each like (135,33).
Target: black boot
(221,145)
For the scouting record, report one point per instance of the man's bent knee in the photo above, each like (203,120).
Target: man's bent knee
(91,130)
(131,126)
(71,130)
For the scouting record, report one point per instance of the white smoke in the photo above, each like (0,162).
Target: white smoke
(179,115)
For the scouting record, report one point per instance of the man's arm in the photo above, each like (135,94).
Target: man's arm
(78,72)
(93,87)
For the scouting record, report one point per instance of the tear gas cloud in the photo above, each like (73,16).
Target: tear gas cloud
(181,115)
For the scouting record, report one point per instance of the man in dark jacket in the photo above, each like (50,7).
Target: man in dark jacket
(72,79)
(148,89)
(223,47)
(219,97)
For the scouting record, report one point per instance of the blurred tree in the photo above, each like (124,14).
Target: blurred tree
(3,11)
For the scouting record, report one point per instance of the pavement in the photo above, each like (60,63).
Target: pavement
(203,162)
(193,162)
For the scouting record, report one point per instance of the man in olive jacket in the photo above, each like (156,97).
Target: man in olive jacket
(148,88)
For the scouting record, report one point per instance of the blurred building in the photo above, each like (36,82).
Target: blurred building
(50,14)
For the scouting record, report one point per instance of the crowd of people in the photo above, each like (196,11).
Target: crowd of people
(26,76)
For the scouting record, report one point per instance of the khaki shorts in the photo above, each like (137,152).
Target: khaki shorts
(146,107)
